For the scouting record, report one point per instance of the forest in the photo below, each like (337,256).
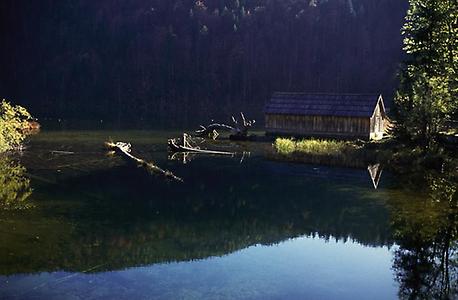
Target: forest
(174,63)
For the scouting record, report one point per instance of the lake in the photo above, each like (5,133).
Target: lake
(81,224)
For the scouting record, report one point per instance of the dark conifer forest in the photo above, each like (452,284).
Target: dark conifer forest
(181,62)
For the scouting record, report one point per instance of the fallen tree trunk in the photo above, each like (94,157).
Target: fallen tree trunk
(124,149)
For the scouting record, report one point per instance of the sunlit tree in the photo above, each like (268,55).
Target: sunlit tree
(427,96)
(13,125)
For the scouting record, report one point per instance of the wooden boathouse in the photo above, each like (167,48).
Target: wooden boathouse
(344,116)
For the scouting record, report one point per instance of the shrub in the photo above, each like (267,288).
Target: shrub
(14,120)
(285,146)
(328,147)
(310,146)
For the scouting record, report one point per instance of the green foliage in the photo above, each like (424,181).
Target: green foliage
(310,146)
(425,107)
(13,125)
(285,146)
(15,186)
(428,93)
(431,36)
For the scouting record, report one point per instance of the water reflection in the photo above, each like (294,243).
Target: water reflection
(119,218)
(426,261)
(187,157)
(375,172)
(14,185)
(95,215)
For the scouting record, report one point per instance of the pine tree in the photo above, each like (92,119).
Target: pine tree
(428,92)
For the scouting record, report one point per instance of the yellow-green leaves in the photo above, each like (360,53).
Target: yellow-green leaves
(310,146)
(13,124)
(428,94)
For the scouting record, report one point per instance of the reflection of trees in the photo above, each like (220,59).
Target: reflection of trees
(112,220)
(14,185)
(426,231)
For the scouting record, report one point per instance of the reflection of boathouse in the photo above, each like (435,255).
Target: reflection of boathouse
(326,115)
(375,172)
(343,173)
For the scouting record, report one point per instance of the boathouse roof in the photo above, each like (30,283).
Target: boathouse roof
(342,105)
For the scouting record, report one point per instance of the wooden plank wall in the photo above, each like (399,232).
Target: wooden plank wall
(318,125)
(376,133)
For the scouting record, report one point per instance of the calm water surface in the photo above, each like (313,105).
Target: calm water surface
(243,227)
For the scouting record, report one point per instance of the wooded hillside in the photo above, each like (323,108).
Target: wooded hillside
(176,62)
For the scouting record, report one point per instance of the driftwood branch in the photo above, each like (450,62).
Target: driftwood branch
(238,130)
(124,150)
(241,130)
(211,130)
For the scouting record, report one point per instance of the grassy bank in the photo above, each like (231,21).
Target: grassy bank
(355,154)
(313,146)
(410,161)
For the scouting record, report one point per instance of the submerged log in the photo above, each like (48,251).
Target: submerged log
(62,152)
(124,149)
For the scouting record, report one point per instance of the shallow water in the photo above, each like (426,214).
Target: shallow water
(242,227)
